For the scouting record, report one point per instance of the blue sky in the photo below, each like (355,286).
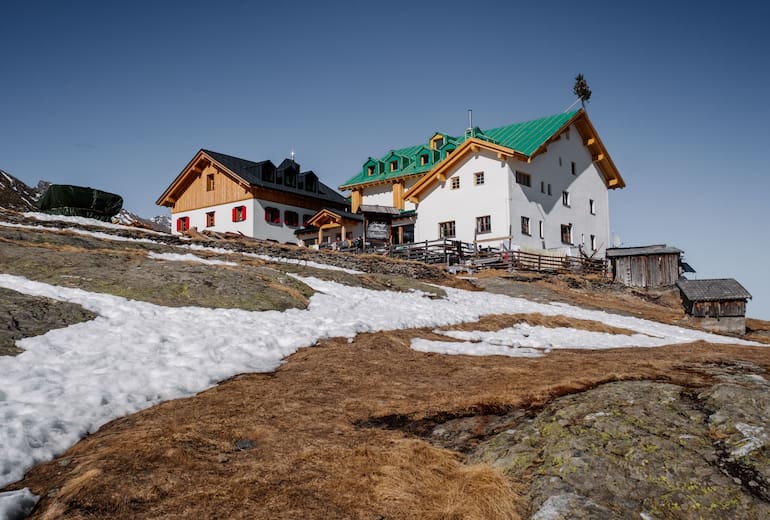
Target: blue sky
(120,95)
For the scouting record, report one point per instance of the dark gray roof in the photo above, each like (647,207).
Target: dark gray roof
(712,290)
(251,172)
(374,208)
(657,249)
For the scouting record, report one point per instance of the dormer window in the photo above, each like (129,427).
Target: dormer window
(393,165)
(438,142)
(370,170)
(424,159)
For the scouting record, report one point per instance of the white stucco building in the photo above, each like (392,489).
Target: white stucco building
(541,184)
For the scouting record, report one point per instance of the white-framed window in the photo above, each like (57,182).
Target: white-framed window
(524,179)
(542,230)
(478,178)
(592,206)
(593,242)
(565,198)
(484,224)
(446,229)
(455,183)
(566,233)
(210,219)
(525,226)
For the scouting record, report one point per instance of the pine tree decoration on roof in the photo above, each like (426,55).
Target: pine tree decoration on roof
(581,89)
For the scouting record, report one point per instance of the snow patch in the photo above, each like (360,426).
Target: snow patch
(189,257)
(15,505)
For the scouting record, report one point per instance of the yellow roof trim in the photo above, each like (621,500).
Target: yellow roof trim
(439,172)
(599,153)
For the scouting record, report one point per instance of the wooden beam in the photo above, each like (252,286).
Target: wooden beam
(589,141)
(598,157)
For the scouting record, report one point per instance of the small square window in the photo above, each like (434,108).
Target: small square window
(478,178)
(566,233)
(524,179)
(272,215)
(446,229)
(291,218)
(370,170)
(565,198)
(484,224)
(210,182)
(209,219)
(239,213)
(183,223)
(525,226)
(424,159)
(393,165)
(455,184)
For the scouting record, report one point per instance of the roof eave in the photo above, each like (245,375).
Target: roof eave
(438,173)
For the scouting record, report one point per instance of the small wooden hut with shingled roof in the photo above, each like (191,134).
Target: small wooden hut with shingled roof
(719,304)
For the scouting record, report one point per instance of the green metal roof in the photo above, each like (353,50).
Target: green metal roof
(523,137)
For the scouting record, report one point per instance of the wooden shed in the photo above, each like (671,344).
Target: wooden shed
(719,304)
(647,266)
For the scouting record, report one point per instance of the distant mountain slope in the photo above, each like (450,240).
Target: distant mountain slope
(15,195)
(158,223)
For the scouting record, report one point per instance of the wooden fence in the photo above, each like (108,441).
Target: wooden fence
(452,252)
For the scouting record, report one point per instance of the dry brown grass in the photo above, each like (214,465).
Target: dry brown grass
(309,459)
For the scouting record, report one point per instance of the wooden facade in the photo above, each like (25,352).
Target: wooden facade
(210,187)
(649,267)
(719,305)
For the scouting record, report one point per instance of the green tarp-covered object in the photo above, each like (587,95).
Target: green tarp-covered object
(63,199)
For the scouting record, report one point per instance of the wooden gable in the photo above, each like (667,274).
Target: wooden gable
(204,183)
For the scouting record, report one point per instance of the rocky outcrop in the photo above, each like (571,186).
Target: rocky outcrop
(625,449)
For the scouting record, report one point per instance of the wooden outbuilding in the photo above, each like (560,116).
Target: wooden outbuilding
(648,266)
(719,304)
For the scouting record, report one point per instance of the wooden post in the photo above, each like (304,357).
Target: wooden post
(320,236)
(344,236)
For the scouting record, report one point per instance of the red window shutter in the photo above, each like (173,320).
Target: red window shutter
(267,215)
(235,214)
(244,212)
(179,224)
